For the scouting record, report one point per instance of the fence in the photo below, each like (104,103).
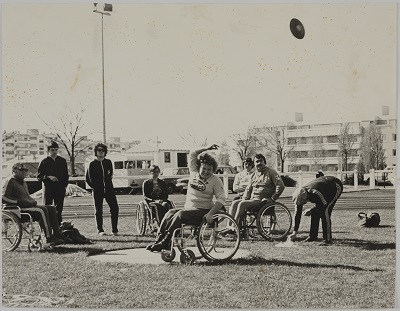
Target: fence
(301,177)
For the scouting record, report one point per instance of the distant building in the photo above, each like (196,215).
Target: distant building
(32,146)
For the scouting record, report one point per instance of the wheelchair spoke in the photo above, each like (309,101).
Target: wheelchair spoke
(212,245)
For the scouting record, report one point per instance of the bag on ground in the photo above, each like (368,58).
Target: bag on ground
(67,229)
(368,220)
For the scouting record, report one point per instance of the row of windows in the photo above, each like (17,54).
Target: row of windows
(314,140)
(320,154)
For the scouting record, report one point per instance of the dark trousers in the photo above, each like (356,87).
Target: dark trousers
(47,218)
(176,217)
(323,213)
(53,194)
(109,195)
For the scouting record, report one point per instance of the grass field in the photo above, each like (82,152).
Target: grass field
(358,271)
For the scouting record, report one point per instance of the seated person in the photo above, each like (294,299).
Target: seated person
(155,190)
(203,186)
(265,186)
(15,192)
(242,179)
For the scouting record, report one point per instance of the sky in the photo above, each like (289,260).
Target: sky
(204,70)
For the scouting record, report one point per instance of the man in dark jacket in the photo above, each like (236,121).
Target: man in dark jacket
(53,172)
(99,177)
(324,192)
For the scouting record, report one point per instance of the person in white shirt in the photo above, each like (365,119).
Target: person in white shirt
(202,188)
(242,179)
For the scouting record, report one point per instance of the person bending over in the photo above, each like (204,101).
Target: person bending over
(324,192)
(203,187)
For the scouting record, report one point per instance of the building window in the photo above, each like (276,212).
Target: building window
(167,157)
(394,152)
(394,137)
(332,139)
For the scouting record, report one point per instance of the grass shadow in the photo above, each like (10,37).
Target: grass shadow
(367,245)
(257,261)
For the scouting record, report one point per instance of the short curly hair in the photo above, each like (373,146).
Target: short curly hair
(102,146)
(205,158)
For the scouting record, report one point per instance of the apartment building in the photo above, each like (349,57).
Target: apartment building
(32,146)
(306,140)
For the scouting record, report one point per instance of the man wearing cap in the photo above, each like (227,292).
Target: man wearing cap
(324,192)
(15,192)
(53,172)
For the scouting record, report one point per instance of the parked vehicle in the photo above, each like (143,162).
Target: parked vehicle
(135,168)
(383,177)
(182,183)
(171,174)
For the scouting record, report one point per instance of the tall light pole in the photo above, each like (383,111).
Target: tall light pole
(107,8)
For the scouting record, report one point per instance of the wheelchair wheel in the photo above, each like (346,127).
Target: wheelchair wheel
(168,256)
(11,231)
(212,245)
(187,257)
(35,246)
(274,221)
(141,218)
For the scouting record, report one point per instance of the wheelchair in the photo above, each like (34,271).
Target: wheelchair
(147,219)
(210,243)
(16,226)
(272,221)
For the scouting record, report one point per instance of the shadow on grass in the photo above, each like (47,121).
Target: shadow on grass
(367,245)
(257,261)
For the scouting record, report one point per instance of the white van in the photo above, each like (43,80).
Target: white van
(130,171)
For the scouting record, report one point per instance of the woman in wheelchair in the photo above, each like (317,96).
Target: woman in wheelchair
(15,192)
(155,191)
(203,186)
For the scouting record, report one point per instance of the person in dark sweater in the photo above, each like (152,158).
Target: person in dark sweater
(99,177)
(155,190)
(324,192)
(53,173)
(15,192)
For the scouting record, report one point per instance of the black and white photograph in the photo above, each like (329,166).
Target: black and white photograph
(199,155)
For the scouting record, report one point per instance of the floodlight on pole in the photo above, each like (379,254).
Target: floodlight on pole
(107,8)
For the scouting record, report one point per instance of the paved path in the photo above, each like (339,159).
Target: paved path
(142,256)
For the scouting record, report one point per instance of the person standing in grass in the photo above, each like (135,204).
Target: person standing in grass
(324,192)
(99,177)
(53,172)
(202,188)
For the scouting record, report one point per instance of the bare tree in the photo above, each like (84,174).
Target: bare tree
(346,141)
(245,145)
(372,151)
(192,141)
(317,153)
(67,130)
(274,140)
(223,157)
